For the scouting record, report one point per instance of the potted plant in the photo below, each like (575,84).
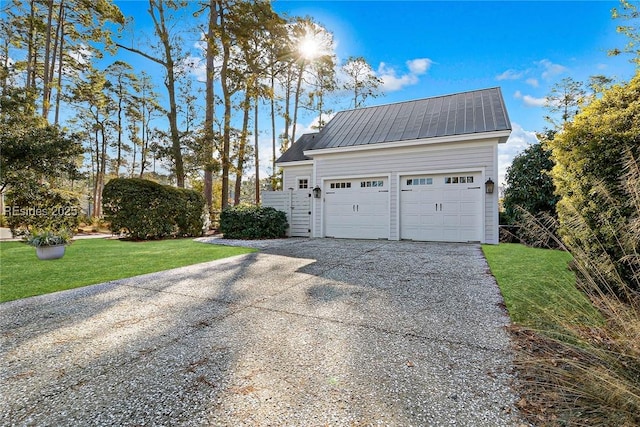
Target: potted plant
(49,244)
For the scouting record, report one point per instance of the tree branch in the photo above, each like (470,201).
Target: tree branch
(146,55)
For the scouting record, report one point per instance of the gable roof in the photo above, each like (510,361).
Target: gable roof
(464,113)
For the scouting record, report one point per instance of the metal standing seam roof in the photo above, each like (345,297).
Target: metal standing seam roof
(464,113)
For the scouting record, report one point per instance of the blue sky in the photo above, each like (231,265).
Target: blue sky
(429,48)
(523,47)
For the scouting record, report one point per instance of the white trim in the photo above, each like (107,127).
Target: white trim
(309,184)
(442,171)
(296,163)
(501,135)
(495,199)
(366,175)
(314,209)
(484,203)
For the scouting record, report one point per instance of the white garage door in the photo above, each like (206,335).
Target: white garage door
(357,208)
(442,208)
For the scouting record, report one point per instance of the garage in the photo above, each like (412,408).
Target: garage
(441,208)
(357,208)
(414,170)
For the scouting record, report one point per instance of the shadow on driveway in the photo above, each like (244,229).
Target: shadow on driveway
(305,332)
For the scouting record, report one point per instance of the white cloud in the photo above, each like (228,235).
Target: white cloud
(391,81)
(529,100)
(195,66)
(550,69)
(82,54)
(532,82)
(517,142)
(419,66)
(510,74)
(312,127)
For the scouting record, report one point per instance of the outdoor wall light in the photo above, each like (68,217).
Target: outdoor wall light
(489,185)
(317,192)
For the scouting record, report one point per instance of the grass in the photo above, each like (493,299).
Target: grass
(91,261)
(577,356)
(537,285)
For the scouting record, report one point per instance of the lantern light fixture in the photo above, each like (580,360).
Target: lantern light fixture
(489,186)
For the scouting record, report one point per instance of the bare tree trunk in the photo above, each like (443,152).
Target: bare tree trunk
(173,113)
(61,53)
(226,136)
(103,172)
(210,104)
(296,102)
(119,144)
(96,186)
(133,160)
(242,147)
(54,52)
(30,47)
(93,172)
(47,54)
(5,53)
(287,116)
(255,148)
(170,83)
(144,142)
(273,131)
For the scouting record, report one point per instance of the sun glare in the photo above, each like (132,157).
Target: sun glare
(309,47)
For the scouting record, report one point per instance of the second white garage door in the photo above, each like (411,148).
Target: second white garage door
(357,208)
(443,208)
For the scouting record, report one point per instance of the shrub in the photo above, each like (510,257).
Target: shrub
(191,215)
(41,238)
(253,222)
(589,155)
(147,210)
(529,184)
(32,206)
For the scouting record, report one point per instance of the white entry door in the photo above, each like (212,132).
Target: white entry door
(357,208)
(442,208)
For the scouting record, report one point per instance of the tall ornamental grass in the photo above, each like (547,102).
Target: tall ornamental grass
(587,372)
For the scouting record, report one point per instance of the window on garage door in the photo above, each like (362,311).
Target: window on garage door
(464,179)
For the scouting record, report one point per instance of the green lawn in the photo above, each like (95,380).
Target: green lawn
(537,286)
(91,261)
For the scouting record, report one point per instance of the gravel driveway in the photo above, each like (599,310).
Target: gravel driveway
(305,332)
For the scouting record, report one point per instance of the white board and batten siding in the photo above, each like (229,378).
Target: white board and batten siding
(292,173)
(296,205)
(466,205)
(294,201)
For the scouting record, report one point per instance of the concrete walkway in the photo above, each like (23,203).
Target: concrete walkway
(306,332)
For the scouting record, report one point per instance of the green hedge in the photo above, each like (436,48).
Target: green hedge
(146,210)
(33,206)
(253,222)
